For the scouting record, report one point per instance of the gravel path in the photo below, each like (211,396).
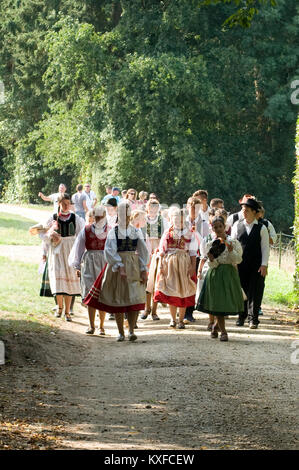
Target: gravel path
(168,390)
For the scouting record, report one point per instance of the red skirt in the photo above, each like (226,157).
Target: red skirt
(176,301)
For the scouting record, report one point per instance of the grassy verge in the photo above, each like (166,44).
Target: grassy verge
(19,298)
(14,230)
(44,206)
(279,288)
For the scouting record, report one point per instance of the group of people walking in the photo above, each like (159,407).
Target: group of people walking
(129,254)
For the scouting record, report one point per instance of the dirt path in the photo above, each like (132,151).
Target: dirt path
(168,390)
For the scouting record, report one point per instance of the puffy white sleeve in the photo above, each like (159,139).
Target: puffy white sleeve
(265,245)
(50,221)
(203,249)
(235,256)
(142,251)
(77,251)
(194,245)
(80,224)
(110,252)
(163,243)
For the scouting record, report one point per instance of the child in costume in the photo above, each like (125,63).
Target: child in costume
(221,293)
(87,258)
(153,233)
(120,287)
(177,264)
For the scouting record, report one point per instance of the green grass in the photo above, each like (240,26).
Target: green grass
(279,288)
(19,297)
(20,285)
(14,230)
(43,206)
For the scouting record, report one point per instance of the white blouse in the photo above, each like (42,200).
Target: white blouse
(112,256)
(227,257)
(79,247)
(192,246)
(80,223)
(265,246)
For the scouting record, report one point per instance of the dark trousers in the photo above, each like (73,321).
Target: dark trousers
(190,310)
(253,285)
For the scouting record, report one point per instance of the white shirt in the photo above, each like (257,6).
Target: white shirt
(272,232)
(230,219)
(54,198)
(90,197)
(113,258)
(80,223)
(205,214)
(265,246)
(204,226)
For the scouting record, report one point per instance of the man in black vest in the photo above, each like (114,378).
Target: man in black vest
(254,239)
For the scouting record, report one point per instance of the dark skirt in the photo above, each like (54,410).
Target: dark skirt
(221,293)
(45,290)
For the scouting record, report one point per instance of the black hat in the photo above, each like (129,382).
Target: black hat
(111,202)
(252,203)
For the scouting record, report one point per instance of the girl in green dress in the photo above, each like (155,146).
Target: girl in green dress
(221,294)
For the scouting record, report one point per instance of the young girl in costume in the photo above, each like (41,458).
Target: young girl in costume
(87,258)
(120,287)
(221,293)
(177,253)
(63,226)
(153,233)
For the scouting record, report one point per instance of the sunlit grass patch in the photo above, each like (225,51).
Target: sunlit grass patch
(14,230)
(19,295)
(279,288)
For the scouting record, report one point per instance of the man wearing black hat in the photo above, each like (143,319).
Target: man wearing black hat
(254,239)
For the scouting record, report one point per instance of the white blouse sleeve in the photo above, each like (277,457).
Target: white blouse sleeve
(110,252)
(50,221)
(265,245)
(77,251)
(235,256)
(80,224)
(142,252)
(194,245)
(163,243)
(203,249)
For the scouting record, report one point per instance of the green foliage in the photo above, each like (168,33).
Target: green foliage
(247,9)
(156,95)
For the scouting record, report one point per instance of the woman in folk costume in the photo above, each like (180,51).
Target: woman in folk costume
(221,294)
(63,226)
(177,251)
(153,233)
(120,287)
(87,258)
(200,229)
